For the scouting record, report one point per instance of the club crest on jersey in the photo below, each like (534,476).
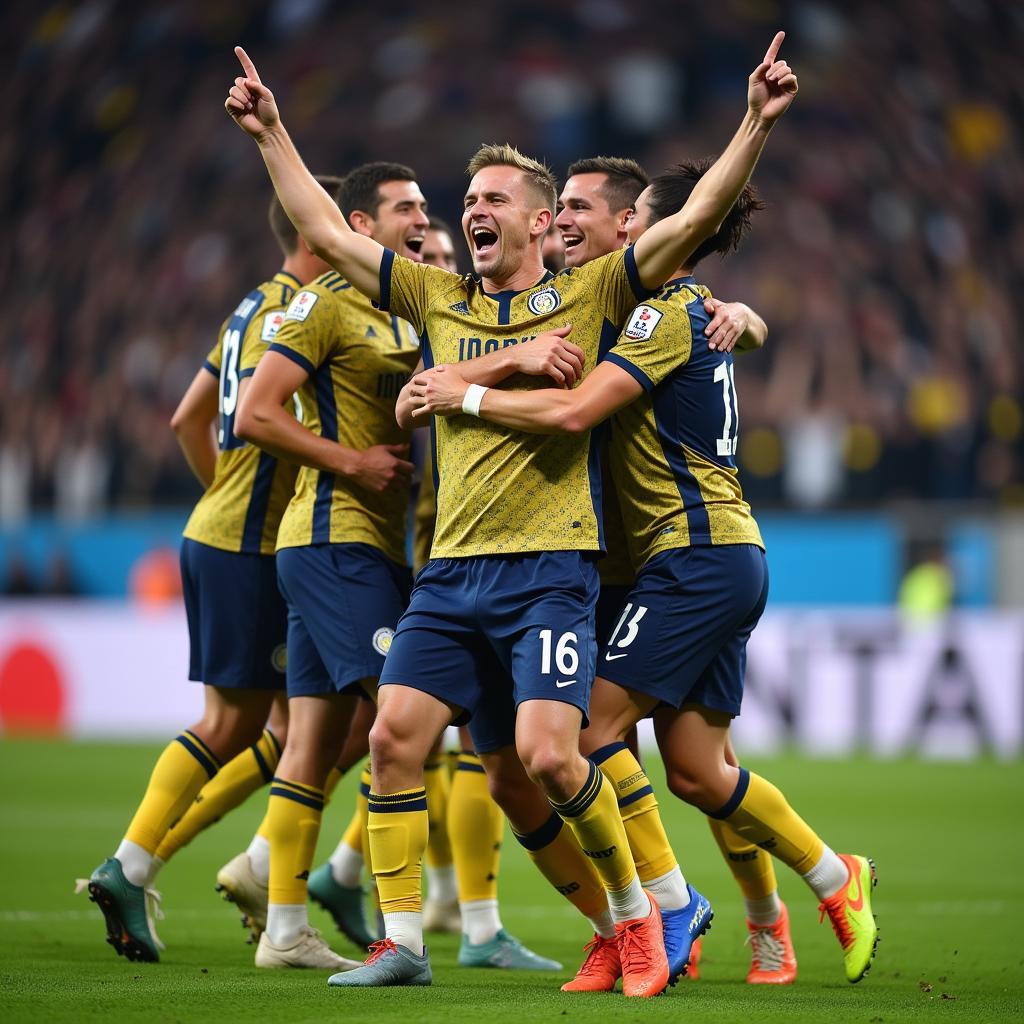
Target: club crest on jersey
(271,325)
(543,302)
(382,640)
(301,305)
(642,322)
(279,658)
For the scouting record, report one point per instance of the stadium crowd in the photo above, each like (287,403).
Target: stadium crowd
(885,265)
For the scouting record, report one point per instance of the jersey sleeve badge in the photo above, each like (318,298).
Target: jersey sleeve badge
(271,325)
(301,306)
(642,322)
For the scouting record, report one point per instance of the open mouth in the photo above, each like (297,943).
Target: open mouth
(484,241)
(571,241)
(415,244)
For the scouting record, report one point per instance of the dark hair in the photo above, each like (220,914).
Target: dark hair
(625,179)
(671,189)
(360,188)
(436,224)
(284,230)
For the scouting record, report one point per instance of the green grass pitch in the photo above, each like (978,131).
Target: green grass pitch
(947,839)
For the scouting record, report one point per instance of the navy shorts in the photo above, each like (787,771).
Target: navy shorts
(489,632)
(609,607)
(237,619)
(681,635)
(344,602)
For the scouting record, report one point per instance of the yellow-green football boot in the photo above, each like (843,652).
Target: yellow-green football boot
(849,910)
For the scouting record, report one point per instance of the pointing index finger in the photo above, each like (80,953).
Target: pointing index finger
(769,57)
(247,65)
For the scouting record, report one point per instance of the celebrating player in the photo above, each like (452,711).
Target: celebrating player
(678,648)
(595,209)
(511,587)
(237,621)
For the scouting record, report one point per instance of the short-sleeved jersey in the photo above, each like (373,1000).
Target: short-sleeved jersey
(358,359)
(501,491)
(616,568)
(673,450)
(241,510)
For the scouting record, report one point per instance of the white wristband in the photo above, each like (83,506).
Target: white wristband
(472,398)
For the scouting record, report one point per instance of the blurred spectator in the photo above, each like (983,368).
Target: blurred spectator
(19,582)
(888,265)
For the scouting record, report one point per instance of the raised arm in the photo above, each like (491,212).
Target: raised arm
(443,392)
(666,246)
(315,215)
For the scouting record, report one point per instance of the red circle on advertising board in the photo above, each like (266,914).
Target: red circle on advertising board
(32,694)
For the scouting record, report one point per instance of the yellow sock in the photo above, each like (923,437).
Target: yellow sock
(638,808)
(292,827)
(181,771)
(760,814)
(475,827)
(334,776)
(752,868)
(397,828)
(355,832)
(593,816)
(231,786)
(558,857)
(437,783)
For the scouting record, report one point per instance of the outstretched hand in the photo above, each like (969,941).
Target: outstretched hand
(773,84)
(250,103)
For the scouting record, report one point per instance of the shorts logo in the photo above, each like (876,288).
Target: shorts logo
(382,640)
(301,305)
(271,325)
(279,658)
(544,302)
(642,323)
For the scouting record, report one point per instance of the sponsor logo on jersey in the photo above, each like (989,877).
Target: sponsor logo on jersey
(301,305)
(271,325)
(279,658)
(382,640)
(642,323)
(544,302)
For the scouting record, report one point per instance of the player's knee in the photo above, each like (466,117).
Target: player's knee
(687,785)
(550,766)
(388,744)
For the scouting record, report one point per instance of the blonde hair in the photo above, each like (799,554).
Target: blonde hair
(538,176)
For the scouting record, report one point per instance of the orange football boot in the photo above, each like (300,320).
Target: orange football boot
(693,964)
(773,961)
(601,968)
(642,954)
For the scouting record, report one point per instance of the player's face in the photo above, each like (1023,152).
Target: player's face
(439,251)
(401,220)
(640,221)
(499,212)
(589,227)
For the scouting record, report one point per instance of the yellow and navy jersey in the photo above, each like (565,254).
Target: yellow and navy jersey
(242,508)
(358,359)
(673,450)
(424,514)
(501,491)
(616,568)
